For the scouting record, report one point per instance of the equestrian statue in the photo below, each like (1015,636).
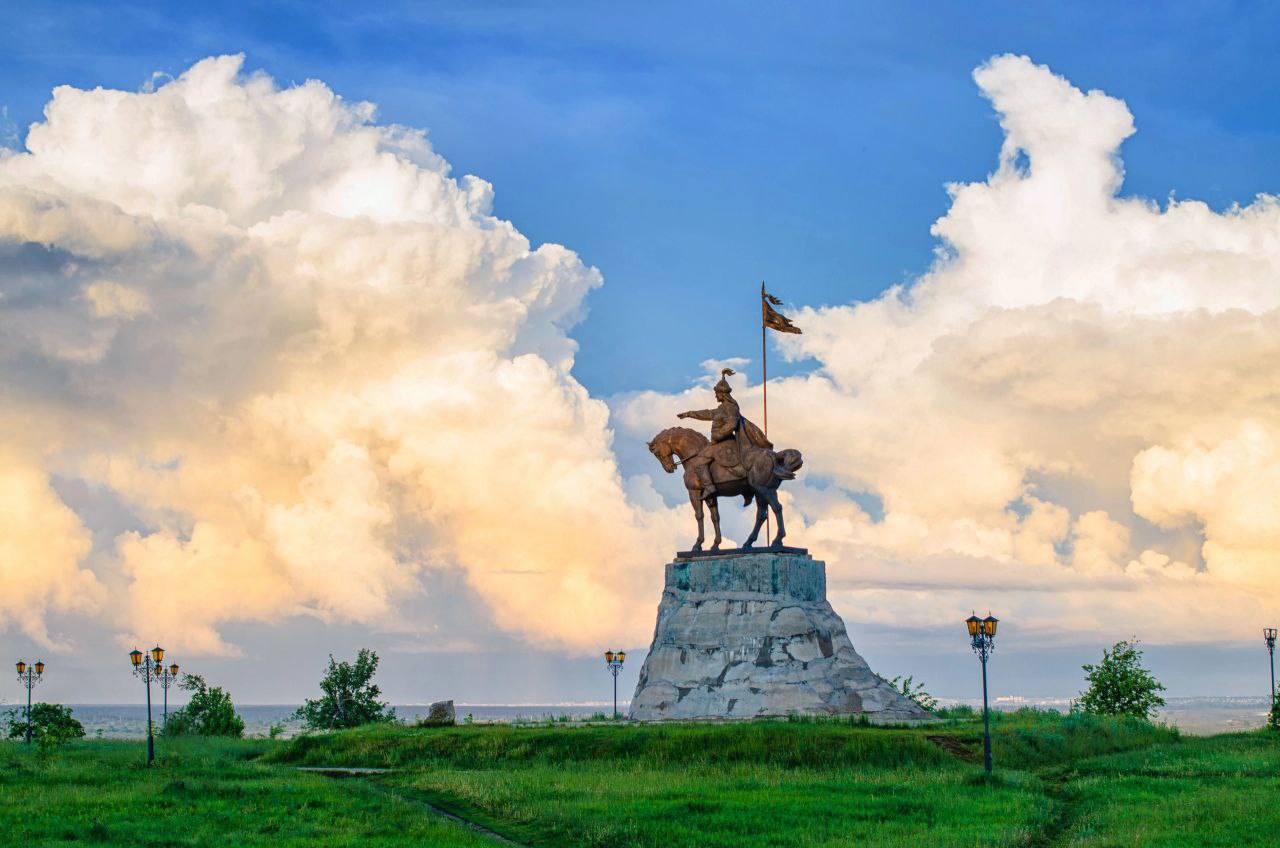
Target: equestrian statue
(738,460)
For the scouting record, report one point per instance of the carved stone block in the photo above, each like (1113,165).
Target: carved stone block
(752,634)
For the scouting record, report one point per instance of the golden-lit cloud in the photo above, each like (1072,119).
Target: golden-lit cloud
(316,370)
(311,364)
(42,545)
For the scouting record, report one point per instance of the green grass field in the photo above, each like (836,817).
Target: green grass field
(1061,780)
(199,792)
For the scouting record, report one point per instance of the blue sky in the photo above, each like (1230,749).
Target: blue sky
(691,150)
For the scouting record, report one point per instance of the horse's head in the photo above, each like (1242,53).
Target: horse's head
(790,459)
(662,450)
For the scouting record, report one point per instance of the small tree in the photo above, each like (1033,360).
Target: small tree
(51,725)
(1273,717)
(349,698)
(914,691)
(208,713)
(1119,685)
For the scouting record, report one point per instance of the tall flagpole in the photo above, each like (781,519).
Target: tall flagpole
(764,387)
(764,361)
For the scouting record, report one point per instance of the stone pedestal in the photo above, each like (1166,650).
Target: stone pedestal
(752,634)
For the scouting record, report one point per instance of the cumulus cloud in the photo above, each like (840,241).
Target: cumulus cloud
(309,361)
(1071,416)
(42,545)
(316,370)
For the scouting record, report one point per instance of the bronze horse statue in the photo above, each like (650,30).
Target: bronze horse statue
(765,471)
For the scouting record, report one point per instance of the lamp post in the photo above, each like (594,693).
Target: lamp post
(982,638)
(29,676)
(165,678)
(147,666)
(614,662)
(1269,634)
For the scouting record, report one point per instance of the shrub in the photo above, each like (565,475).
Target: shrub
(349,697)
(208,713)
(914,691)
(51,725)
(1119,685)
(1273,717)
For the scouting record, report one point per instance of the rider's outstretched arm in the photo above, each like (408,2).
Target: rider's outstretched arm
(699,414)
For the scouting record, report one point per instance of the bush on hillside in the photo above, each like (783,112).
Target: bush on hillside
(349,697)
(914,691)
(1119,685)
(208,713)
(51,725)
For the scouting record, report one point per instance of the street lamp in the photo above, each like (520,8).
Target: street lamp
(29,676)
(165,678)
(982,638)
(1269,634)
(614,662)
(147,666)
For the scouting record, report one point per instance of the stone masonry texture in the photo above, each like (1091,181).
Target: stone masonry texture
(748,635)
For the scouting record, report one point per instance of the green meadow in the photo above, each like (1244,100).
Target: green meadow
(1060,780)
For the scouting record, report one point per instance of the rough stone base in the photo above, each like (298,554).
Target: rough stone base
(747,635)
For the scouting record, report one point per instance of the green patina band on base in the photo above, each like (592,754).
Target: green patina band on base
(797,576)
(746,635)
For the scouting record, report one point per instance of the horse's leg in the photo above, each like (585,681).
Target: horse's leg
(715,521)
(760,512)
(777,513)
(695,497)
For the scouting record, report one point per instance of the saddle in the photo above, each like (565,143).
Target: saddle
(725,459)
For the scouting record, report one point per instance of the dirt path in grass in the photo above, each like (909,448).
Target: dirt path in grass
(961,749)
(355,775)
(1066,803)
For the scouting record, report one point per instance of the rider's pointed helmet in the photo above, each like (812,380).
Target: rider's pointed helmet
(723,385)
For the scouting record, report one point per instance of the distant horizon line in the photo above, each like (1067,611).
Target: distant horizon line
(1013,700)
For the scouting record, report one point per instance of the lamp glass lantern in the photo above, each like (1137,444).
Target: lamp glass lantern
(974,624)
(135,657)
(21,667)
(622,656)
(39,667)
(157,655)
(608,657)
(989,625)
(173,670)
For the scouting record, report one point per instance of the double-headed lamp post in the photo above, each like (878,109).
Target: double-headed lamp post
(147,666)
(1269,634)
(982,638)
(614,661)
(29,676)
(165,678)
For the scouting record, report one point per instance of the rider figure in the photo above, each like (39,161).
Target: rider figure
(724,420)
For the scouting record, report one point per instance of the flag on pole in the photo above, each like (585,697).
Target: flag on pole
(773,319)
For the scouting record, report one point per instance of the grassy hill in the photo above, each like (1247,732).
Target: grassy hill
(1060,780)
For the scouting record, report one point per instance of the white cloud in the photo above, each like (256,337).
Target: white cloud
(318,370)
(311,363)
(1070,416)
